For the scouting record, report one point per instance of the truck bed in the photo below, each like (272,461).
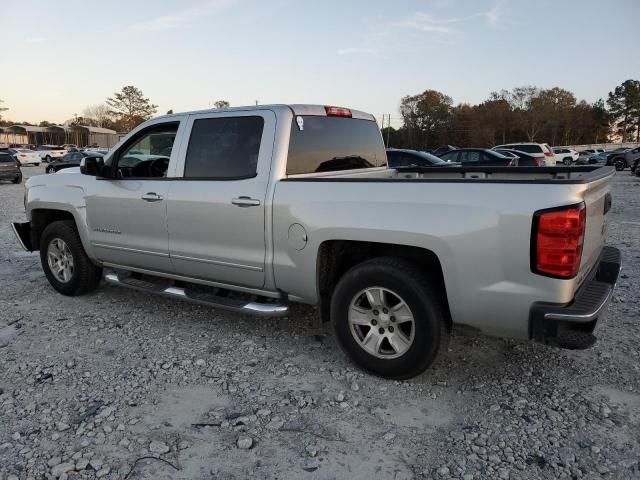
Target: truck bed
(477,221)
(540,175)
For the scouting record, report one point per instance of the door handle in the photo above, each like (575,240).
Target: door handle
(245,202)
(151,197)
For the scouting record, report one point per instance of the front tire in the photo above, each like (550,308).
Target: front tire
(567,161)
(65,262)
(389,318)
(47,158)
(619,164)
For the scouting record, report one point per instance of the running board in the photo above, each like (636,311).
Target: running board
(239,306)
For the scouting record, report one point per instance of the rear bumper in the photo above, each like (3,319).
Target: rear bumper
(571,325)
(23,233)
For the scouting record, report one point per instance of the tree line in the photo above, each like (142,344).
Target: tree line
(430,119)
(554,116)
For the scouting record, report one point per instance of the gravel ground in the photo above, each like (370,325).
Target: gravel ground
(93,386)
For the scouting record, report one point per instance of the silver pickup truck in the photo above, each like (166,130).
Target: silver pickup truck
(249,209)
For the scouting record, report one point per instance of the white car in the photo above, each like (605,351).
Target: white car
(50,152)
(539,150)
(566,156)
(24,156)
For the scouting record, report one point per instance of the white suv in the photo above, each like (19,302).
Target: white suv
(539,150)
(566,155)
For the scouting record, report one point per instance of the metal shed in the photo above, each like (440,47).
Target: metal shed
(80,135)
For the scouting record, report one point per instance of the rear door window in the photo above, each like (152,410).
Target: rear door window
(328,144)
(224,148)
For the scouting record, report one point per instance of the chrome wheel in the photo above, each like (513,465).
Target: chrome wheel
(60,260)
(381,322)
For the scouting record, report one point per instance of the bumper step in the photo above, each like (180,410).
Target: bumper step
(168,289)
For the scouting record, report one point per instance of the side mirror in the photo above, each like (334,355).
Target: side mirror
(93,166)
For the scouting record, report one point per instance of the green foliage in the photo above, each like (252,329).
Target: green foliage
(526,113)
(130,107)
(218,104)
(624,108)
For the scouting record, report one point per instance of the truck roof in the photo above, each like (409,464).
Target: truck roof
(296,109)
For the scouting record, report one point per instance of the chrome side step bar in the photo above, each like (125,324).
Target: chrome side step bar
(239,306)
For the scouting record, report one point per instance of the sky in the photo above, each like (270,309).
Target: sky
(62,56)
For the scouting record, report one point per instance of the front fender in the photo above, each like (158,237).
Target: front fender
(64,198)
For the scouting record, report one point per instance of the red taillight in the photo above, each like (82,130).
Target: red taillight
(549,154)
(22,155)
(538,162)
(557,238)
(337,112)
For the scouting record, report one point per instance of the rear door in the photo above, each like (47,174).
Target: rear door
(216,208)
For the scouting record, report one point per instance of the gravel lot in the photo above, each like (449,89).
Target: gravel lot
(90,385)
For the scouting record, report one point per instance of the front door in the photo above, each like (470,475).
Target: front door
(127,215)
(216,212)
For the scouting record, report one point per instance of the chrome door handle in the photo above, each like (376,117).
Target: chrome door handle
(245,202)
(151,197)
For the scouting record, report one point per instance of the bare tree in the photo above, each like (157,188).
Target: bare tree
(2,109)
(97,115)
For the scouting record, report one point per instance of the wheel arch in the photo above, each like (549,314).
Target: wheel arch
(336,257)
(42,216)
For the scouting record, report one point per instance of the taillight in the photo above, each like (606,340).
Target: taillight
(22,155)
(557,236)
(549,154)
(337,112)
(511,164)
(538,162)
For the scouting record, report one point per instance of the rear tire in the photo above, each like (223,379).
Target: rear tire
(371,335)
(64,261)
(619,164)
(47,159)
(37,164)
(17,180)
(566,161)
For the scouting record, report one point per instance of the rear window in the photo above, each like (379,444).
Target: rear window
(329,144)
(528,148)
(5,158)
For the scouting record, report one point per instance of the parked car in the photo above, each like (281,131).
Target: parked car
(566,155)
(49,152)
(70,147)
(631,156)
(25,156)
(523,159)
(28,146)
(10,168)
(539,150)
(71,159)
(593,150)
(252,221)
(479,157)
(617,159)
(411,158)
(598,158)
